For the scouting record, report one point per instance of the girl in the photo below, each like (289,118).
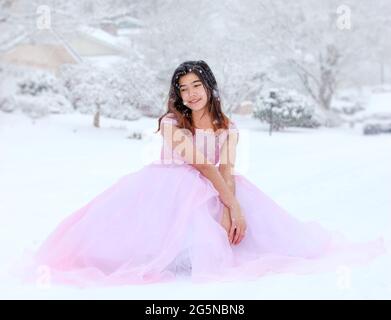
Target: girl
(188,214)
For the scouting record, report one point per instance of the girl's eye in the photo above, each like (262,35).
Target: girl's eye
(197,85)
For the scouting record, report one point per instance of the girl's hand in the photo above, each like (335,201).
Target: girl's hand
(238,224)
(226,222)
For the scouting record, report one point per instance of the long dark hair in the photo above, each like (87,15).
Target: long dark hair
(182,112)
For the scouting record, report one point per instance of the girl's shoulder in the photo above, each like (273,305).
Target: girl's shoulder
(170,118)
(232,125)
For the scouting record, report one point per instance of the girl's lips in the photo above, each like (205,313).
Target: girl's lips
(194,101)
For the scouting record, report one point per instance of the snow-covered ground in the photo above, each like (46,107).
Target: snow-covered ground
(49,167)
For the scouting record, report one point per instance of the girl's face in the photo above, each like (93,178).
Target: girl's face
(192,91)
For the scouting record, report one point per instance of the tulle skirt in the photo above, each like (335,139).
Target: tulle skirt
(163,222)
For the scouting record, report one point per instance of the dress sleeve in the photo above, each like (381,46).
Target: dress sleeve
(232,125)
(169,119)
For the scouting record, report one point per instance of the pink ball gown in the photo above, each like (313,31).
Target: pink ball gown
(163,222)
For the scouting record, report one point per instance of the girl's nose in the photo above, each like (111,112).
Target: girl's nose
(192,94)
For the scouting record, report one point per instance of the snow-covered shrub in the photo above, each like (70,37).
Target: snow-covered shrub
(135,135)
(34,92)
(383,88)
(41,105)
(35,107)
(41,93)
(346,105)
(7,104)
(377,128)
(57,103)
(37,82)
(284,108)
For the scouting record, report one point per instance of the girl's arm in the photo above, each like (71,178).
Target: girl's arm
(227,159)
(226,168)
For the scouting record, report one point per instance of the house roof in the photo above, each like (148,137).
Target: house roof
(48,56)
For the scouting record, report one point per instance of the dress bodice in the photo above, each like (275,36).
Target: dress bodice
(208,142)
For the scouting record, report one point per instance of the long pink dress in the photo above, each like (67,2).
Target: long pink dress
(163,222)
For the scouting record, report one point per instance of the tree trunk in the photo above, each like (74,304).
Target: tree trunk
(97,117)
(327,86)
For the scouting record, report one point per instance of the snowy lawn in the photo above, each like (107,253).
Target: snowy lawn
(52,166)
